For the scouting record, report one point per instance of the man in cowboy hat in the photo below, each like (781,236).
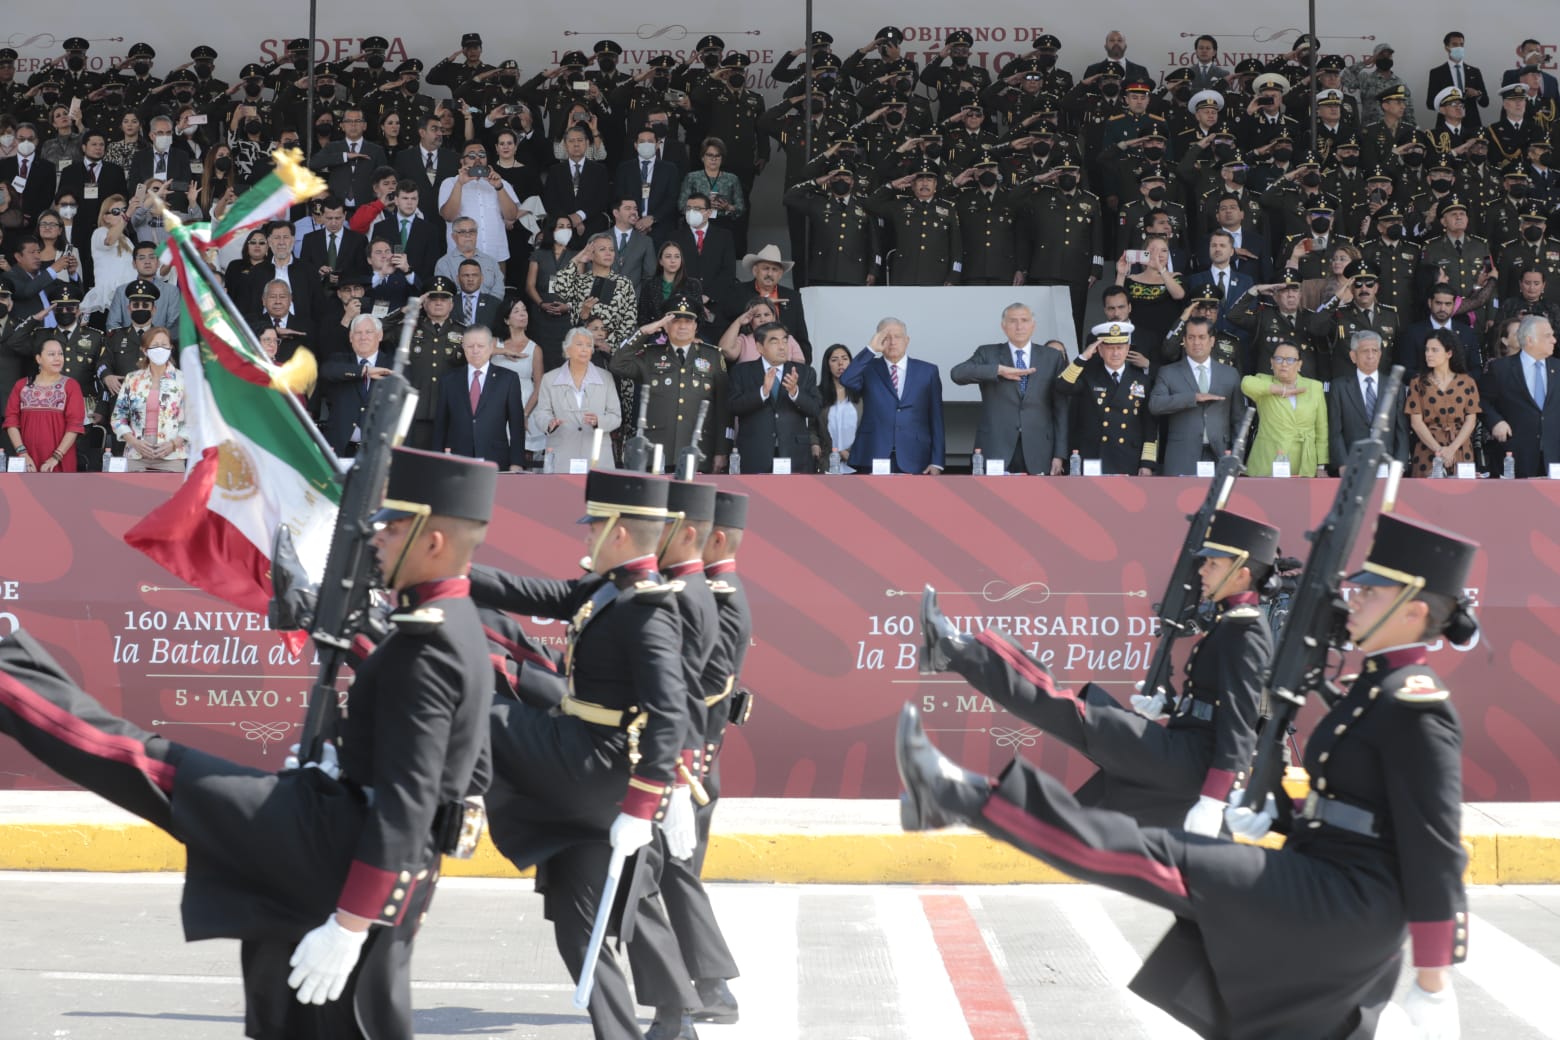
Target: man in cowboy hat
(764,269)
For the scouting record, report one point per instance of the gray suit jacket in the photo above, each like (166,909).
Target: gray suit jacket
(636,260)
(1039,416)
(1347,420)
(1174,398)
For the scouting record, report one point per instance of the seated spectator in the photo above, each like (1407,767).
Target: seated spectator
(1442,407)
(149,413)
(1291,417)
(480,412)
(489,200)
(277,311)
(45,413)
(465,233)
(775,400)
(739,342)
(573,401)
(839,414)
(1531,298)
(901,419)
(590,289)
(669,280)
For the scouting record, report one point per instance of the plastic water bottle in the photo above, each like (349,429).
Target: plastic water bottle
(834,462)
(735,462)
(1075,464)
(978,464)
(1438,467)
(1509,467)
(549,462)
(1282,459)
(108,458)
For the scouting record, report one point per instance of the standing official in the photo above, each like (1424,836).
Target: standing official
(1060,238)
(842,236)
(480,411)
(927,245)
(436,349)
(679,371)
(1109,404)
(1199,399)
(1022,424)
(1515,395)
(901,399)
(775,402)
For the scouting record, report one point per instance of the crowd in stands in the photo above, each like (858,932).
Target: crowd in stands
(586,204)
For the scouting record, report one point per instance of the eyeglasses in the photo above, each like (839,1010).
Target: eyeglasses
(466,231)
(1365,283)
(48,223)
(1286,360)
(475,155)
(117,211)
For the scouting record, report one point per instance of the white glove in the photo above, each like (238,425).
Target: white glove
(1205,818)
(681,837)
(1434,1015)
(329,763)
(323,961)
(629,834)
(1149,707)
(1244,823)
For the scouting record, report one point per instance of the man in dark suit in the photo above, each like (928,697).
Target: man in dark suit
(634,258)
(348,165)
(1022,424)
(775,402)
(578,187)
(473,307)
(709,254)
(1116,54)
(292,329)
(91,181)
(162,160)
(1521,400)
(411,234)
(347,380)
(481,412)
(1201,401)
(1351,401)
(1468,80)
(1225,276)
(29,277)
(1410,352)
(35,173)
(1249,253)
(655,182)
(305,298)
(425,166)
(901,398)
(334,250)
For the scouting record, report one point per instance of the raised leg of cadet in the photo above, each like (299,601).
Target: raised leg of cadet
(574,879)
(67,730)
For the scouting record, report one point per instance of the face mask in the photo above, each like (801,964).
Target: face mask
(324,129)
(65,316)
(1441,184)
(710,60)
(5,308)
(818,105)
(1377,196)
(1047,61)
(1110,90)
(253,89)
(26,148)
(1154,153)
(252,127)
(76,62)
(1391,230)
(7,140)
(1384,65)
(660,81)
(695,218)
(1319,225)
(987,180)
(562,236)
(827,80)
(189,131)
(203,69)
(1238,177)
(893,117)
(375,60)
(1283,154)
(1156,194)
(1456,53)
(68,212)
(1518,191)
(1348,162)
(1311,180)
(223,164)
(934,149)
(903,84)
(606,63)
(1224,152)
(142,67)
(660,130)
(737,80)
(1183,92)
(1067,181)
(159,355)
(162,142)
(646,149)
(140,315)
(840,188)
(1413,159)
(1532,232)
(413,83)
(1040,149)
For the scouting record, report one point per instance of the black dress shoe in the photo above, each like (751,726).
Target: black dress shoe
(938,793)
(293,595)
(938,635)
(671,1025)
(719,1003)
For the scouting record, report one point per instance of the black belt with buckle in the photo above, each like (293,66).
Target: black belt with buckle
(1345,817)
(1200,710)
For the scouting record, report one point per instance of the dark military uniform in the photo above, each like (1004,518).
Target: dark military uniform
(1521,255)
(1310,331)
(927,246)
(1383,320)
(732,116)
(435,350)
(1397,262)
(676,388)
(843,236)
(457,73)
(1110,419)
(1060,242)
(987,226)
(1462,264)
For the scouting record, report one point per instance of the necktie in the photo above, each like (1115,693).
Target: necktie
(698,238)
(1202,379)
(1458,246)
(330,249)
(1023,381)
(574,172)
(428,163)
(682,356)
(1370,395)
(1457,75)
(276,322)
(363,383)
(405,224)
(476,390)
(1115,377)
(93,170)
(644,171)
(162,163)
(1224,288)
(26,165)
(622,240)
(893,376)
(1538,384)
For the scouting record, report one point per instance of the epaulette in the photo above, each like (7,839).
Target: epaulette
(722,588)
(418,622)
(1418,687)
(656,592)
(1118,115)
(1245,613)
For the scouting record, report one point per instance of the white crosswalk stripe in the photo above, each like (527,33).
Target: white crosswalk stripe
(1520,979)
(1118,960)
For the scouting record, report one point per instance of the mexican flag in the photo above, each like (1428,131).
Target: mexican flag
(255,461)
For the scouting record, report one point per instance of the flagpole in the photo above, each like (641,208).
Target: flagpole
(239,325)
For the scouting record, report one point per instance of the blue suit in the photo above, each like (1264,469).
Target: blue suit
(1238,284)
(908,428)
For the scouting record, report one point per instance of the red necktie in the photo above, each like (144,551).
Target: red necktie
(25,166)
(476,391)
(698,238)
(893,375)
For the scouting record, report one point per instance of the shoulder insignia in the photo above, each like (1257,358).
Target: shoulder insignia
(1246,613)
(657,591)
(1421,688)
(722,588)
(1118,115)
(418,622)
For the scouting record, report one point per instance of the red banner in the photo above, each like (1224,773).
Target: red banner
(833,567)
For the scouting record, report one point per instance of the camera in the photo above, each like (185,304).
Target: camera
(479,172)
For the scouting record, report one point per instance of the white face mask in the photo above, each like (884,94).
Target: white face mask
(159,355)
(189,131)
(563,235)
(68,212)
(162,142)
(6,140)
(25,148)
(696,218)
(646,149)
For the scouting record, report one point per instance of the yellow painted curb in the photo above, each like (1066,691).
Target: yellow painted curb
(944,857)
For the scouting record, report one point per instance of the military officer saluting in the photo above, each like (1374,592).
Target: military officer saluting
(1060,235)
(679,372)
(951,73)
(987,211)
(842,234)
(1393,256)
(927,244)
(1363,312)
(457,74)
(1110,419)
(435,350)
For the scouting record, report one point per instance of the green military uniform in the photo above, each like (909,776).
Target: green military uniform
(435,350)
(1520,255)
(677,386)
(1060,241)
(138,86)
(927,244)
(1313,264)
(842,235)
(1383,320)
(1462,261)
(1133,214)
(1310,331)
(457,73)
(732,116)
(1396,261)
(987,215)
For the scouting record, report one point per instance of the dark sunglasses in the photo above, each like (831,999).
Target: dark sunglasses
(117,211)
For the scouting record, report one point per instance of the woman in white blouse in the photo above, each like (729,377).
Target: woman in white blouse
(519,353)
(576,399)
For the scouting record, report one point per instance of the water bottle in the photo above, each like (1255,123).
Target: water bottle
(1508,469)
(978,464)
(1075,465)
(834,462)
(108,457)
(1438,467)
(1282,459)
(735,461)
(549,462)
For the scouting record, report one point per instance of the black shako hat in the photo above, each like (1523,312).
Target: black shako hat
(1233,535)
(426,483)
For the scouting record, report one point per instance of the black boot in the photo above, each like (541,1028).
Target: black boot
(938,635)
(938,793)
(672,1024)
(293,595)
(719,1003)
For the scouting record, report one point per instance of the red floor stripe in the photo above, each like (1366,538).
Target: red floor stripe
(983,996)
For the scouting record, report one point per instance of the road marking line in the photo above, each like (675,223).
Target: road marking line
(977,980)
(1518,977)
(767,956)
(928,1004)
(1117,960)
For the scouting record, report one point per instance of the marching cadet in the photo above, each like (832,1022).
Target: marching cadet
(1177,775)
(843,236)
(1060,237)
(1110,404)
(1374,857)
(354,843)
(1463,257)
(435,350)
(598,774)
(987,211)
(1363,312)
(679,372)
(1394,257)
(927,244)
(1272,315)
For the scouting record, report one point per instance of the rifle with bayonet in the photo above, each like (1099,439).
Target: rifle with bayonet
(636,449)
(692,454)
